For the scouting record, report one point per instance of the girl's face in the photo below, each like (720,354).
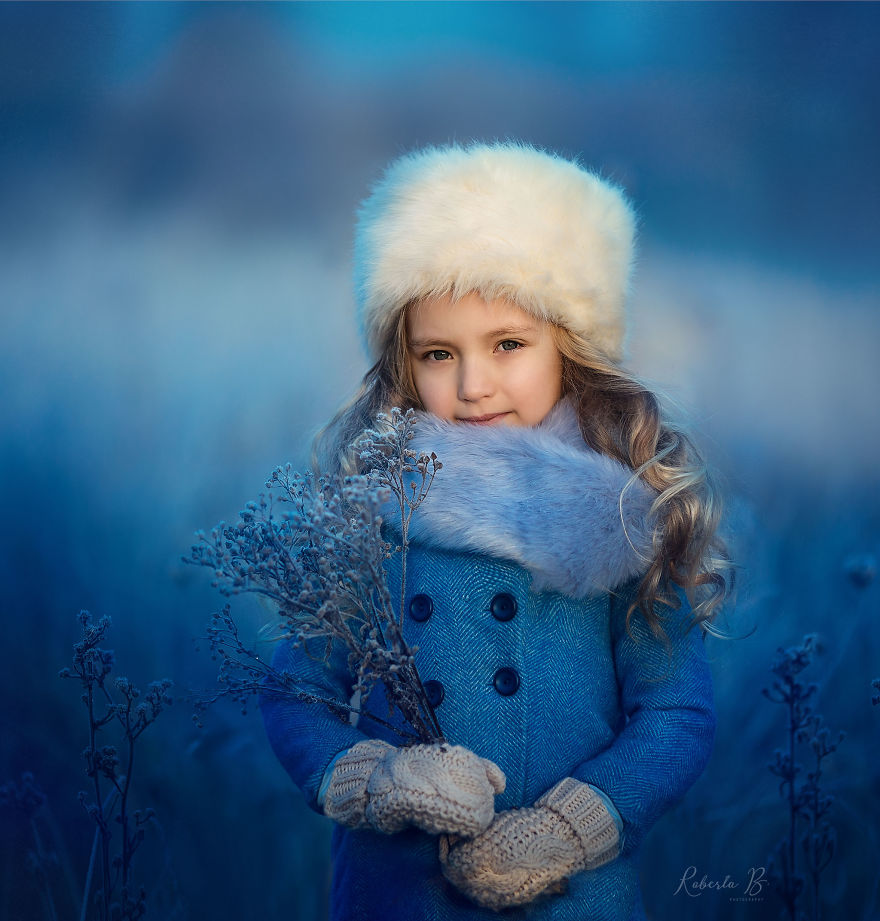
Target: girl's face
(482,362)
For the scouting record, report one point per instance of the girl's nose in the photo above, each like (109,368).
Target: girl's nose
(474,381)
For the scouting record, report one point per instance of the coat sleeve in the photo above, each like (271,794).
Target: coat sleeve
(307,736)
(666,698)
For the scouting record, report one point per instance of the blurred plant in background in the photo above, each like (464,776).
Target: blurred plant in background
(116,705)
(808,804)
(110,705)
(25,803)
(317,554)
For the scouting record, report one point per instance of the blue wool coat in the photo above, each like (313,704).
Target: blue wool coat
(519,576)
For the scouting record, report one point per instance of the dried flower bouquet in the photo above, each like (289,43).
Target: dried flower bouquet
(315,552)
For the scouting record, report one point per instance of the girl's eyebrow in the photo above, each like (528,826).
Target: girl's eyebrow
(493,334)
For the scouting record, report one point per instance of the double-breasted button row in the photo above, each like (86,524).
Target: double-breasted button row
(505,682)
(502,606)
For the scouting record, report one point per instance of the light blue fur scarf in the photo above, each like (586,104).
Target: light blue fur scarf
(537,496)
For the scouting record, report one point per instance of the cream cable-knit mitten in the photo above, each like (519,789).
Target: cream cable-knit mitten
(442,789)
(526,852)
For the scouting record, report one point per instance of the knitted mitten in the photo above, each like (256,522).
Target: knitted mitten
(527,852)
(442,789)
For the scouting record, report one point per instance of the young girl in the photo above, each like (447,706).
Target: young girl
(560,574)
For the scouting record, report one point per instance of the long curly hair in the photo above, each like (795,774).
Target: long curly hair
(618,417)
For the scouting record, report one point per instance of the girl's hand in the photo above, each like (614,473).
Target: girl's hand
(442,789)
(530,852)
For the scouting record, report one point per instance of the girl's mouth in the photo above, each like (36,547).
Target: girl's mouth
(483,420)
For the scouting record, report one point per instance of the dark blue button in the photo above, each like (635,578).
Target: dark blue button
(421,608)
(503,606)
(506,681)
(435,692)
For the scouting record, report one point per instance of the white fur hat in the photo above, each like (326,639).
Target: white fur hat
(504,220)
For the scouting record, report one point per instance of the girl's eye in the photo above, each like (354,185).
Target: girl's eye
(512,343)
(432,355)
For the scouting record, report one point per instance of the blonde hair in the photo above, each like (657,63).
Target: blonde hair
(388,383)
(618,417)
(623,419)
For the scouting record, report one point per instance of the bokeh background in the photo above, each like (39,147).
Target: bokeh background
(178,183)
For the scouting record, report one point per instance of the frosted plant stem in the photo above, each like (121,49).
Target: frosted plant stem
(404,541)
(88,886)
(94,854)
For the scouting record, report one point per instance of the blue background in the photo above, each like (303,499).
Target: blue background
(178,184)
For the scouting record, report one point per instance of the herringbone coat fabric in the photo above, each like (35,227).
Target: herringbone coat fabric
(545,684)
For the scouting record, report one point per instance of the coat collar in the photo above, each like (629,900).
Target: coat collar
(538,497)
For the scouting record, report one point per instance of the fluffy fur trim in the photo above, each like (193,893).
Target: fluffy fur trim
(537,496)
(504,220)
